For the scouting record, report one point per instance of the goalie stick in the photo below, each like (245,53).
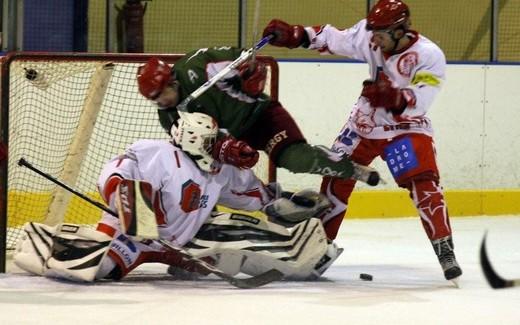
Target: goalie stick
(141,227)
(183,106)
(494,280)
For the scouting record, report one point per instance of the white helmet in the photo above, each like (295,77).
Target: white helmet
(196,134)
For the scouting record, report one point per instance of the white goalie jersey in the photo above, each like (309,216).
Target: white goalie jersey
(183,195)
(419,70)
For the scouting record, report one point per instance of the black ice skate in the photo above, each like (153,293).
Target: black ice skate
(366,174)
(443,248)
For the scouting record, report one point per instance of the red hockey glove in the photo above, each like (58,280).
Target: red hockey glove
(253,77)
(382,94)
(231,151)
(285,35)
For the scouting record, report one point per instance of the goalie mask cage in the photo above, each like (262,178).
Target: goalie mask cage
(68,114)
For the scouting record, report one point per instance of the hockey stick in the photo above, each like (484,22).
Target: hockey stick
(132,228)
(183,106)
(256,17)
(494,280)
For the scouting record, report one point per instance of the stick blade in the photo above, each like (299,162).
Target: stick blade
(258,280)
(133,202)
(494,280)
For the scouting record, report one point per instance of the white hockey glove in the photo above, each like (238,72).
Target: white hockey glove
(299,206)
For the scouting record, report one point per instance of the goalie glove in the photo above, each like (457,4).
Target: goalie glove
(285,35)
(297,207)
(229,150)
(253,76)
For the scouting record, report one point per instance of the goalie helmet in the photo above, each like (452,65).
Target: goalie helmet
(387,14)
(153,77)
(196,134)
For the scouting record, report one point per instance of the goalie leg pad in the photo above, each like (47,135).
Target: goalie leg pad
(34,247)
(77,253)
(242,243)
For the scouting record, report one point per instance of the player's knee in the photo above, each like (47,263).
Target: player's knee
(428,176)
(426,192)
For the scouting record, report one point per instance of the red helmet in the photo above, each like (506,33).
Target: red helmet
(387,14)
(152,77)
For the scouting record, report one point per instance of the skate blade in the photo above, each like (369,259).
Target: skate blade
(455,282)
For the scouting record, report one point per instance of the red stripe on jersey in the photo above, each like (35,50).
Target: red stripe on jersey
(120,161)
(104,228)
(110,186)
(251,193)
(160,216)
(177,159)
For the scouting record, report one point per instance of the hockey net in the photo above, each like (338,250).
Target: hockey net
(68,115)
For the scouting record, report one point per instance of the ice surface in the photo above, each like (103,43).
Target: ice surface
(408,286)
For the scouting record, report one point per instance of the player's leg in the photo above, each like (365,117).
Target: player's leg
(277,134)
(66,251)
(412,162)
(361,151)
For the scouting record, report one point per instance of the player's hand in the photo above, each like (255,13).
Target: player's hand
(229,150)
(253,76)
(285,35)
(381,93)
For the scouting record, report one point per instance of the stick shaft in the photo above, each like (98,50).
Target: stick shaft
(25,163)
(183,106)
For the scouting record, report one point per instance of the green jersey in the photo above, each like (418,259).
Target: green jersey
(225,102)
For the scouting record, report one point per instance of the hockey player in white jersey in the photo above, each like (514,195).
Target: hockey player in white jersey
(186,184)
(389,119)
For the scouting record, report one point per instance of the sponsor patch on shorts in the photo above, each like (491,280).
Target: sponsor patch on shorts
(400,157)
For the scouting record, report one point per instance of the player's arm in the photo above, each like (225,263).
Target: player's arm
(326,39)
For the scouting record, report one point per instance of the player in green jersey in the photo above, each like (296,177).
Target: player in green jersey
(237,102)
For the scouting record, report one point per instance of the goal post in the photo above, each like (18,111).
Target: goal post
(68,114)
(96,91)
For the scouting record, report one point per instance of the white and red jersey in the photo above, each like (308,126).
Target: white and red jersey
(183,195)
(418,69)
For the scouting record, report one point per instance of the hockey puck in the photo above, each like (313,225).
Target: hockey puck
(31,74)
(366,277)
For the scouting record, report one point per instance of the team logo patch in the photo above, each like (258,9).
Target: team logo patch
(406,63)
(400,157)
(190,196)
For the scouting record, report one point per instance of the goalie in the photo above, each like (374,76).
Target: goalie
(182,183)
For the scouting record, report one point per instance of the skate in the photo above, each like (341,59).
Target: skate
(365,174)
(443,248)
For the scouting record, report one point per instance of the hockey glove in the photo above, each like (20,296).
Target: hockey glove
(253,76)
(229,150)
(382,94)
(285,35)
